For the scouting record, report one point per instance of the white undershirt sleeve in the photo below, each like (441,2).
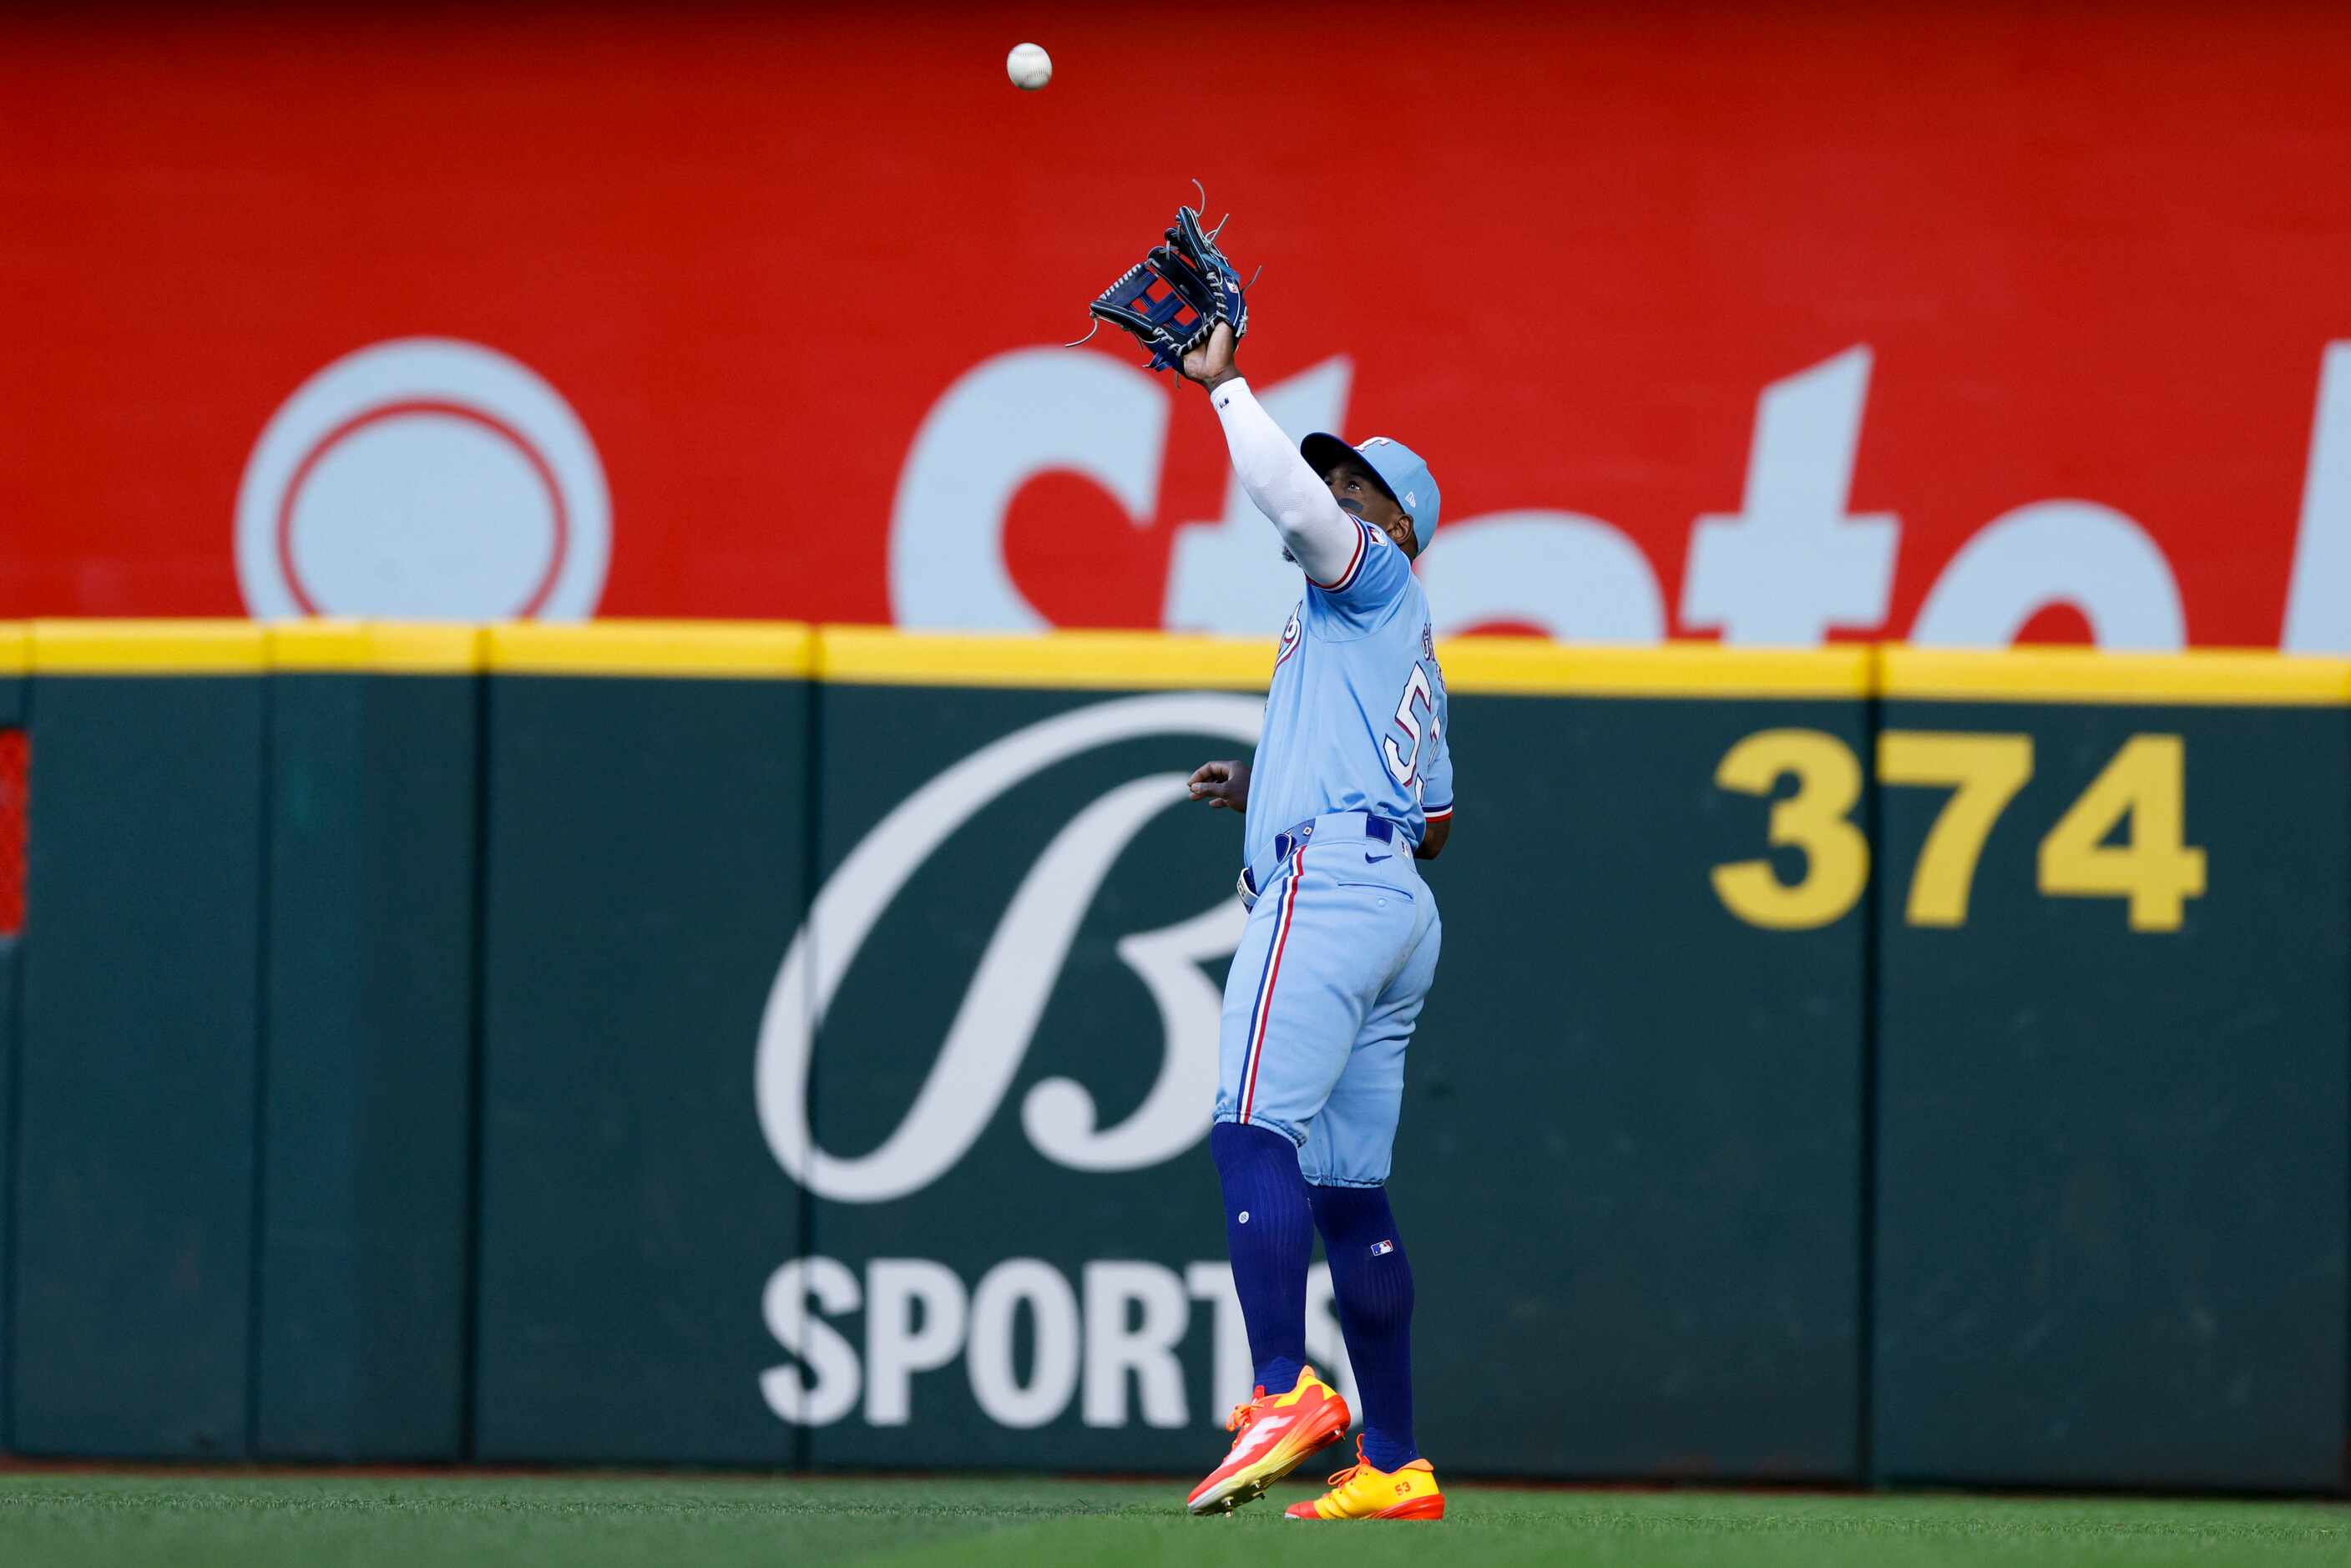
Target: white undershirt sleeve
(1321,535)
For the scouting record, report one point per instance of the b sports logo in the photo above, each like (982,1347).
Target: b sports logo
(992,1029)
(1106,1335)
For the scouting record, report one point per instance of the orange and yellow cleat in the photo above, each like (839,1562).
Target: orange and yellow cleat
(1359,1491)
(1272,1436)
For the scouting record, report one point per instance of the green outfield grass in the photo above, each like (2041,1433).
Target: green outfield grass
(66,1520)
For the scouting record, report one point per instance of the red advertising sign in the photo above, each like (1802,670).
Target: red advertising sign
(1773,324)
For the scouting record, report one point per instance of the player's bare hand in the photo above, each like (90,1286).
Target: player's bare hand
(1224,784)
(1211,364)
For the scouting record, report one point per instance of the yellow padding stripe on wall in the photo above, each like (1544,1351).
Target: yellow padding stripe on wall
(382,647)
(1130,661)
(2230,679)
(148,648)
(1535,666)
(1156,661)
(1122,660)
(737,650)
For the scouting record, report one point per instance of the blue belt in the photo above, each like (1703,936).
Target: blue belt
(1294,836)
(1291,837)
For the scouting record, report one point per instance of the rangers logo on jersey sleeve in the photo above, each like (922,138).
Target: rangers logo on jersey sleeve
(1291,631)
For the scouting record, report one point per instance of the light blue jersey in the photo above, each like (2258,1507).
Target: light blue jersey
(1356,720)
(1339,949)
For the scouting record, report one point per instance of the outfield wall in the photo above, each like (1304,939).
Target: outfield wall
(765,1045)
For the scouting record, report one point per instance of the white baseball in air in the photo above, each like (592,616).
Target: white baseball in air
(1029,66)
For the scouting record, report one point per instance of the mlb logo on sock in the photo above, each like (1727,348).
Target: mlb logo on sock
(1382,1248)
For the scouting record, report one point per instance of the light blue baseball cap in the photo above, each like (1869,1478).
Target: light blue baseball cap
(1399,469)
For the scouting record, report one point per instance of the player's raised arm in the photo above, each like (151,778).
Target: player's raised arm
(1323,538)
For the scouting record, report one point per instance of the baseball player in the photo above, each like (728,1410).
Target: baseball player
(1352,784)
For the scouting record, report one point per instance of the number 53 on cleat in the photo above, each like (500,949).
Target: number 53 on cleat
(2153,867)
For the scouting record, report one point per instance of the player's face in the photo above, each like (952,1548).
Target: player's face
(1358,492)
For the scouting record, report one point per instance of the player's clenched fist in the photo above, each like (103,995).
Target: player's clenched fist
(1224,784)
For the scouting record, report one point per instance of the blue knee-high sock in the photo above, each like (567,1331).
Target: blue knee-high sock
(1270,1229)
(1373,1279)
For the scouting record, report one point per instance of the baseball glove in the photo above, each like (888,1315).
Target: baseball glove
(1172,298)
